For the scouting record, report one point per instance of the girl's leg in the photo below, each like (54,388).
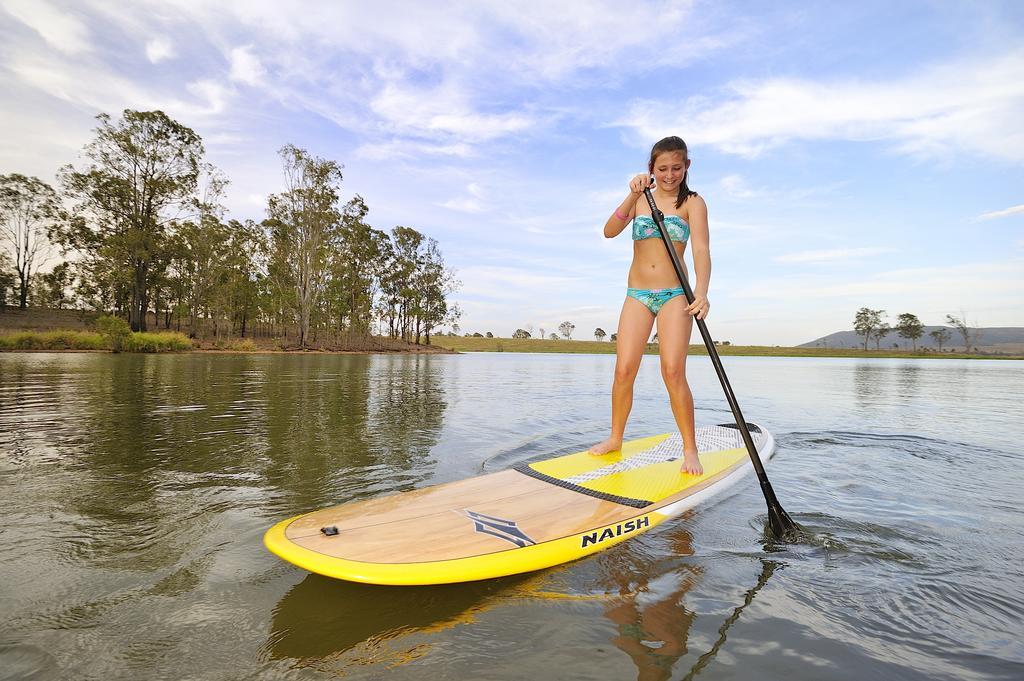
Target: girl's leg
(635,323)
(674,328)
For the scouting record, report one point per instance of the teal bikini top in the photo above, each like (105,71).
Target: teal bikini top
(644,227)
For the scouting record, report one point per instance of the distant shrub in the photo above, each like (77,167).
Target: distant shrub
(52,340)
(24,340)
(164,341)
(112,337)
(115,330)
(236,345)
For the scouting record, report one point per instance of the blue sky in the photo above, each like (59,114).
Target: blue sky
(851,154)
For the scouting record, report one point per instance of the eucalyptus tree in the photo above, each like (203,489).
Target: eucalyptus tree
(415,287)
(910,327)
(396,284)
(55,285)
(28,208)
(433,282)
(302,220)
(101,286)
(566,328)
(358,260)
(866,322)
(200,254)
(940,336)
(246,282)
(880,332)
(279,303)
(6,279)
(139,171)
(201,260)
(960,324)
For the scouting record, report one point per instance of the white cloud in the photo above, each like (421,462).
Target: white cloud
(76,82)
(245,66)
(58,28)
(511,283)
(831,256)
(1012,210)
(464,205)
(439,73)
(443,112)
(158,49)
(736,187)
(407,149)
(563,43)
(438,80)
(82,83)
(474,203)
(213,95)
(920,115)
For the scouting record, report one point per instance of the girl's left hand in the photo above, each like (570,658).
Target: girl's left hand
(700,306)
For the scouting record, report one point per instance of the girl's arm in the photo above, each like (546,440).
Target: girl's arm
(627,209)
(701,253)
(618,220)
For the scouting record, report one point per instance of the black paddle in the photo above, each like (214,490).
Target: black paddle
(778,520)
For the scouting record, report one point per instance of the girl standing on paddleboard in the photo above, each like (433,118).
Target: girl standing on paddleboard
(654,292)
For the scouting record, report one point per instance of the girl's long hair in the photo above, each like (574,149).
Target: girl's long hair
(673,144)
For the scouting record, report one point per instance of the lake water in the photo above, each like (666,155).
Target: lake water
(134,492)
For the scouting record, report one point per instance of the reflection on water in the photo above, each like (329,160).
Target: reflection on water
(340,628)
(136,489)
(130,476)
(651,616)
(767,568)
(330,624)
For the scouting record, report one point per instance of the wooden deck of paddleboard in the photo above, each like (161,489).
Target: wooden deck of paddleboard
(492,525)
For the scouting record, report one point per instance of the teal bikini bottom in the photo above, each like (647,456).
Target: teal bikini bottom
(653,299)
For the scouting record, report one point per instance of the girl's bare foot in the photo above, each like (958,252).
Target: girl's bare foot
(691,464)
(605,447)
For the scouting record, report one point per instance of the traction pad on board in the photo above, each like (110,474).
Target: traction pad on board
(710,439)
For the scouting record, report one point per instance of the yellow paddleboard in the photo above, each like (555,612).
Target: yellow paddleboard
(530,517)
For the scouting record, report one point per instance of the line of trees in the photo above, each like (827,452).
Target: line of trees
(565,328)
(145,235)
(871,325)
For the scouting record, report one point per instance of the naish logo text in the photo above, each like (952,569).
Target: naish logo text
(596,537)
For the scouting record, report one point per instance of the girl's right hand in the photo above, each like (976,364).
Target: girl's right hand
(639,183)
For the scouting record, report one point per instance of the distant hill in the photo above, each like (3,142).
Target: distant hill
(1002,339)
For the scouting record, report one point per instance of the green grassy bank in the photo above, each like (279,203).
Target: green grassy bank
(473,344)
(90,340)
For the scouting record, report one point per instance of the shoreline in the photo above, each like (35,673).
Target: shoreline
(530,345)
(71,340)
(203,351)
(735,351)
(163,342)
